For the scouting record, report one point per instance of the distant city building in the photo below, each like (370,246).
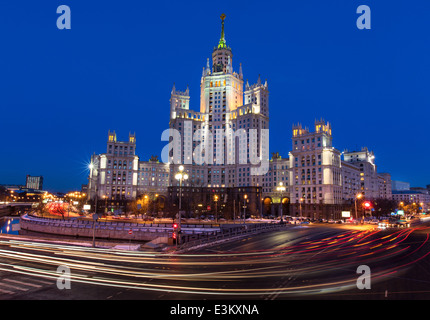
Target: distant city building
(400,185)
(321,183)
(315,172)
(152,177)
(419,197)
(113,175)
(372,184)
(420,189)
(385,186)
(84,188)
(34,182)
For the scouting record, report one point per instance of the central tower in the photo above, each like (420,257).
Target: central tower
(229,109)
(222,57)
(221,87)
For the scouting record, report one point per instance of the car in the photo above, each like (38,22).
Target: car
(402,224)
(384,224)
(331,221)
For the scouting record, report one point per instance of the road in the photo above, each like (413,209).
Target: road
(304,262)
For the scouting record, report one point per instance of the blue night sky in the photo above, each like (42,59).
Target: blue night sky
(62,90)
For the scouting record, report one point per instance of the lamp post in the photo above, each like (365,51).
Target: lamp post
(245,197)
(281,188)
(106,209)
(155,210)
(301,200)
(357,196)
(90,183)
(216,208)
(180,175)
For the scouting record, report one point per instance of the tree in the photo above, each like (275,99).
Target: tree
(3,193)
(411,208)
(41,208)
(383,207)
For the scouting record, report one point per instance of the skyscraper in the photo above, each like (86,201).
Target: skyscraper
(224,150)
(34,182)
(225,144)
(231,112)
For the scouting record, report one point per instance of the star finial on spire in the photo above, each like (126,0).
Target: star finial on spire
(222,43)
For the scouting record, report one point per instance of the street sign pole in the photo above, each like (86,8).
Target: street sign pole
(130,232)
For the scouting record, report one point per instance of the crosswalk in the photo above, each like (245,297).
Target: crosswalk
(13,285)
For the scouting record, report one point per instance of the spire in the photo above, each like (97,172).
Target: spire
(173,89)
(240,71)
(259,80)
(208,68)
(222,43)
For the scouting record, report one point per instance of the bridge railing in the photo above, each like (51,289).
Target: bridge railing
(230,233)
(189,229)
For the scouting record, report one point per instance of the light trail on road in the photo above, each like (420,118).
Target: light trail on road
(316,267)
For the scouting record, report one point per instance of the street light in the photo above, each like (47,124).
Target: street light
(301,200)
(357,196)
(216,208)
(90,183)
(106,208)
(155,202)
(180,175)
(90,186)
(281,188)
(245,197)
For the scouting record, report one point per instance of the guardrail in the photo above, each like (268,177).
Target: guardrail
(189,229)
(229,233)
(122,223)
(192,234)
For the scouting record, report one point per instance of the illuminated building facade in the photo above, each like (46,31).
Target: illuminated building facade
(34,182)
(228,108)
(322,184)
(224,149)
(372,185)
(216,146)
(315,172)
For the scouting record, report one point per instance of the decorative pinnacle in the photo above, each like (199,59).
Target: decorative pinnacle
(222,40)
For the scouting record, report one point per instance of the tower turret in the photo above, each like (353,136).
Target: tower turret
(222,53)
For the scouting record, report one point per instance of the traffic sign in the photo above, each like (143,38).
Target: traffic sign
(130,231)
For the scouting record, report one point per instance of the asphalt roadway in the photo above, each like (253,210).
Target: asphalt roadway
(317,262)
